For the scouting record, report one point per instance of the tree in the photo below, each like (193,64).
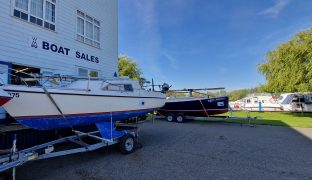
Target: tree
(241,93)
(128,67)
(288,68)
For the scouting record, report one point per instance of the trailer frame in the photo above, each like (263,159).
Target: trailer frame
(50,149)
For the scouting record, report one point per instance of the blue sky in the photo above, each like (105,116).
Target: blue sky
(207,43)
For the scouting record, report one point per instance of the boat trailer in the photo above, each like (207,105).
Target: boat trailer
(242,120)
(124,134)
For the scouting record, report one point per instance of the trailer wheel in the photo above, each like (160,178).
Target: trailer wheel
(127,144)
(180,118)
(170,117)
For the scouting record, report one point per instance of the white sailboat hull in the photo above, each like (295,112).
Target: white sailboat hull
(33,108)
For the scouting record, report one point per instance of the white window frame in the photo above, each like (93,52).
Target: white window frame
(95,23)
(43,19)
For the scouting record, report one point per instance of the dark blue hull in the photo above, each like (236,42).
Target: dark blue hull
(196,107)
(58,122)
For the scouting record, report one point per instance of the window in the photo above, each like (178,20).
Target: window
(22,4)
(128,87)
(94,74)
(38,12)
(88,29)
(84,72)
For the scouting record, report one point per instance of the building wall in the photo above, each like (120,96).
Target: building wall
(16,37)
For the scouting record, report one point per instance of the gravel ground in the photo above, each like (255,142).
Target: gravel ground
(193,150)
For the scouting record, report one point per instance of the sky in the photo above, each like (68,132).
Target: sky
(207,43)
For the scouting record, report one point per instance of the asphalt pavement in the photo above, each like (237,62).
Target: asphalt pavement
(192,150)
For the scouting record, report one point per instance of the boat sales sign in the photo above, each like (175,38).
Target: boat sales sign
(62,50)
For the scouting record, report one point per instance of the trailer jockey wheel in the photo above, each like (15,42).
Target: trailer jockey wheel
(170,117)
(127,144)
(180,118)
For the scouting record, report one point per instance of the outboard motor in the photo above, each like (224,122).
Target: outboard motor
(165,88)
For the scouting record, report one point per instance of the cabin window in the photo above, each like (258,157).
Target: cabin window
(38,12)
(128,87)
(298,99)
(113,87)
(248,101)
(88,29)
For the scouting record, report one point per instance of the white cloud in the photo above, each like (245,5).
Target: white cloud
(172,60)
(150,39)
(275,9)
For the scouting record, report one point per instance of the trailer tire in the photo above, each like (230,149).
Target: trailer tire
(127,144)
(180,118)
(170,117)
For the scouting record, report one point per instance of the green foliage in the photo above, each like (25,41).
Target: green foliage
(241,93)
(276,119)
(196,94)
(128,67)
(176,94)
(289,67)
(267,118)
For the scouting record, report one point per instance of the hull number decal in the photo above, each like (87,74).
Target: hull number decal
(14,95)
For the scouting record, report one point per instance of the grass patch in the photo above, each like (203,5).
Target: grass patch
(275,119)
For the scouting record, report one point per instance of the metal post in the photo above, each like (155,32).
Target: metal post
(111,125)
(14,149)
(153,116)
(88,85)
(153,86)
(136,129)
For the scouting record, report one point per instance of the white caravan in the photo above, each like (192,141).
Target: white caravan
(296,102)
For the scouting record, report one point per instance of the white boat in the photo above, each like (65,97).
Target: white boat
(255,102)
(296,102)
(80,103)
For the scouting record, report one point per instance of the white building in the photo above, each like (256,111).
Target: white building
(67,37)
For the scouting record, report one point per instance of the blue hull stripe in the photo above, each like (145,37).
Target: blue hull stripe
(58,122)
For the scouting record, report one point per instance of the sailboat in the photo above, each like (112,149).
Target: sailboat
(82,102)
(177,108)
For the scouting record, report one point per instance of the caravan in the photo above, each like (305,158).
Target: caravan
(296,102)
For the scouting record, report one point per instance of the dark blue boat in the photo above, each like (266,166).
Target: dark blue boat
(178,108)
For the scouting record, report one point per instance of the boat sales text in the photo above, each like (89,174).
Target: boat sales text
(63,50)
